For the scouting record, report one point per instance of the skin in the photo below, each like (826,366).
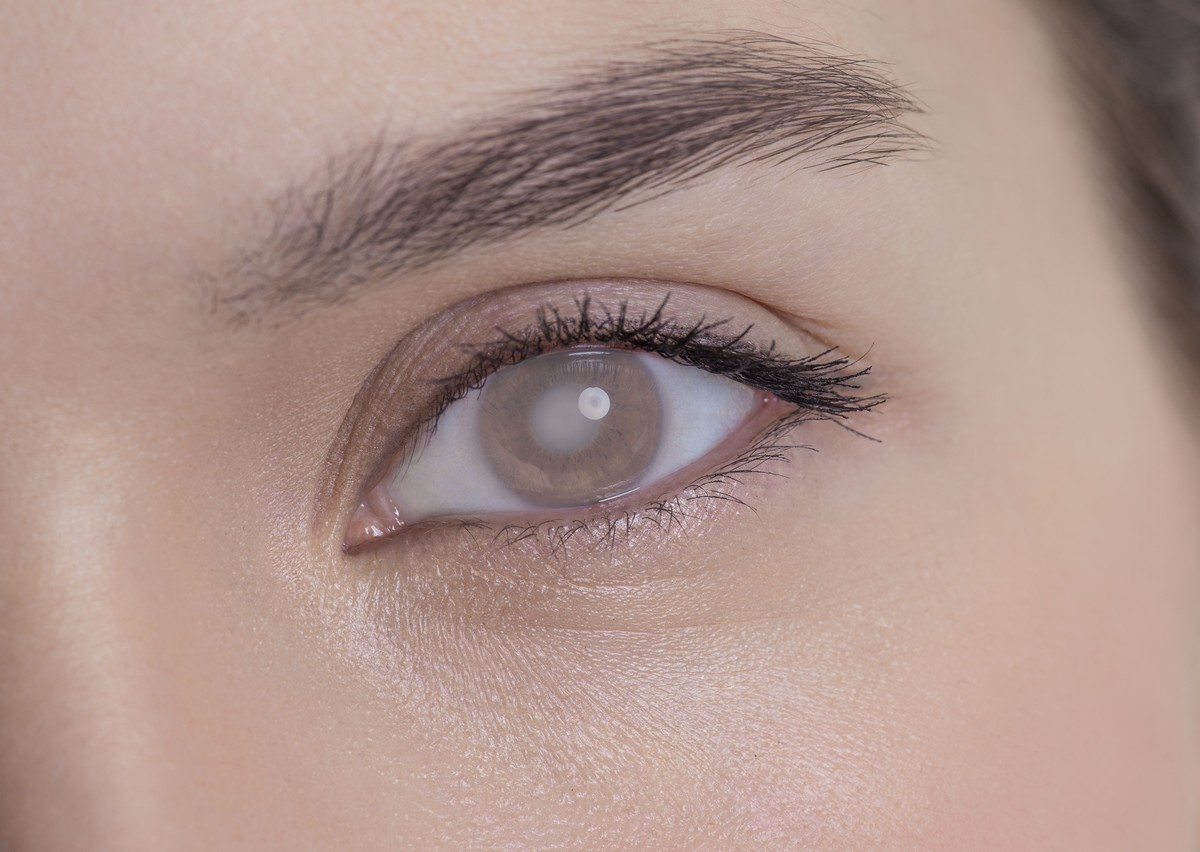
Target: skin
(978,633)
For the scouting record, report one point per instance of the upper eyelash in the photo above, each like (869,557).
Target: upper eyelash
(822,385)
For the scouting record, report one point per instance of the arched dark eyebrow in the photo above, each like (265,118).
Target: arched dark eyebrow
(614,135)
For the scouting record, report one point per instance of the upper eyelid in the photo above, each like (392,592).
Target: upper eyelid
(729,354)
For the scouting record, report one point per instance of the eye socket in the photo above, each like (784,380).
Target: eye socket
(566,430)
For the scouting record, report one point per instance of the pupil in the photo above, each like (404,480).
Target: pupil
(558,421)
(572,428)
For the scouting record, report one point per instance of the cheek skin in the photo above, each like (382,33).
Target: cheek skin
(763,732)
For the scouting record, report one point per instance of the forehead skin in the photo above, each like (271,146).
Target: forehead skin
(978,633)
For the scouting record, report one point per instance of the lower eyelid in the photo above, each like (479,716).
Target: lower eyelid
(713,491)
(761,438)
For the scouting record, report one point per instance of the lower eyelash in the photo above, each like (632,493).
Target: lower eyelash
(553,537)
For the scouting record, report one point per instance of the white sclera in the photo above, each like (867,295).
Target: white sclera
(700,410)
(594,403)
(450,476)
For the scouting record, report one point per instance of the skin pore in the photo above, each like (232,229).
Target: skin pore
(977,630)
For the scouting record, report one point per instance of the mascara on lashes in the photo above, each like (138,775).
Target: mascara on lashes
(824,384)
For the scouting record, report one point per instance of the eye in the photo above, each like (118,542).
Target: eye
(565,432)
(572,412)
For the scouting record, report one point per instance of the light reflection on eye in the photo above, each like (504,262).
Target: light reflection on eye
(568,429)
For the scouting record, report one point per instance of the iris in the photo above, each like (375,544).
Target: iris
(573,427)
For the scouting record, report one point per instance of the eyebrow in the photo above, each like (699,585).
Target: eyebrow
(617,134)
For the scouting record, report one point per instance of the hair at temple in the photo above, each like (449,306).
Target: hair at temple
(1139,65)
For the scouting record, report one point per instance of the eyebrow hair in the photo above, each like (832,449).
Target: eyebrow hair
(618,134)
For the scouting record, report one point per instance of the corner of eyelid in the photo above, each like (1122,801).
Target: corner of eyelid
(347,462)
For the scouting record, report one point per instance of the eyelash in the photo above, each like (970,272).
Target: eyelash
(821,387)
(555,534)
(822,384)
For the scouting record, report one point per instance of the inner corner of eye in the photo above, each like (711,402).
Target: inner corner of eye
(567,430)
